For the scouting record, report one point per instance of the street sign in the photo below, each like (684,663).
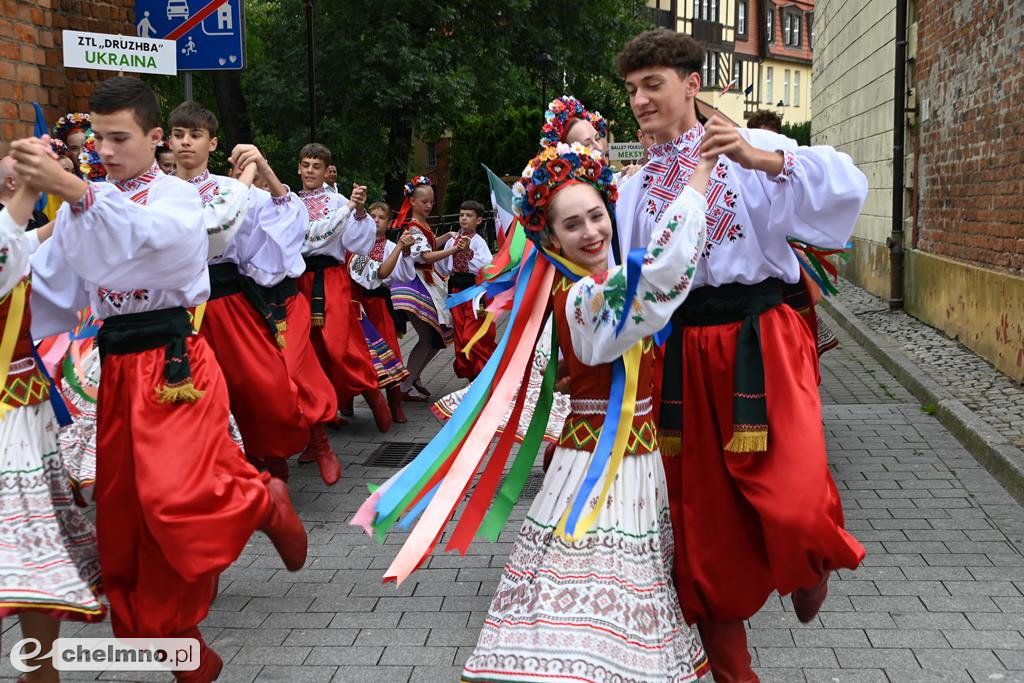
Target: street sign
(625,151)
(109,52)
(210,33)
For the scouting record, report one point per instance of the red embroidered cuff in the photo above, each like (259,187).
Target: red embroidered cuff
(788,167)
(283,199)
(83,204)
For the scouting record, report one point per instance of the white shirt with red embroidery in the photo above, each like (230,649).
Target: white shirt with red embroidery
(264,234)
(457,263)
(125,247)
(333,228)
(365,270)
(816,198)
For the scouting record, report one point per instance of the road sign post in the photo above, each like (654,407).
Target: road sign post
(210,34)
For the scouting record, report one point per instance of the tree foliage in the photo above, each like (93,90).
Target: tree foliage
(801,132)
(391,69)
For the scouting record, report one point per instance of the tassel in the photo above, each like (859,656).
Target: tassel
(282,326)
(318,320)
(670,446)
(182,392)
(748,442)
(279,338)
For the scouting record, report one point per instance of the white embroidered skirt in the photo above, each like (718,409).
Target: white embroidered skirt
(599,609)
(48,557)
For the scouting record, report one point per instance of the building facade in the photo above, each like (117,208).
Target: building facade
(963,183)
(761,49)
(31,60)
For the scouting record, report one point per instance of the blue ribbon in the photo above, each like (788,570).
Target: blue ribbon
(662,335)
(60,409)
(414,513)
(603,451)
(478,390)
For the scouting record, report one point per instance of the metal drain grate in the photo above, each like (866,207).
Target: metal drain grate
(532,486)
(395,454)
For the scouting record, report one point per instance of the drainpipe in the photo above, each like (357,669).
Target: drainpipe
(895,240)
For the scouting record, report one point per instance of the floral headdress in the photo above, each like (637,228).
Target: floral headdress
(89,160)
(560,115)
(410,187)
(70,123)
(552,169)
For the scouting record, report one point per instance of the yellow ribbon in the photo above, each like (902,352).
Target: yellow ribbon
(197,317)
(631,360)
(488,319)
(12,326)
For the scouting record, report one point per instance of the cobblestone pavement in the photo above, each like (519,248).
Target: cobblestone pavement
(940,596)
(990,394)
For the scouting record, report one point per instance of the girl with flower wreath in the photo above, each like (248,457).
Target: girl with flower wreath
(423,298)
(586,593)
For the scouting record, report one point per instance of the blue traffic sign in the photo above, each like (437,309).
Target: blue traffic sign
(210,33)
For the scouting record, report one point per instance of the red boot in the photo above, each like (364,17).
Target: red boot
(380,408)
(210,663)
(395,404)
(725,643)
(549,455)
(284,527)
(319,449)
(807,601)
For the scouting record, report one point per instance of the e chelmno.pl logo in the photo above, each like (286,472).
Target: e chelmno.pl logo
(110,654)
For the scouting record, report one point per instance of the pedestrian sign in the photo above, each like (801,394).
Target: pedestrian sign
(210,34)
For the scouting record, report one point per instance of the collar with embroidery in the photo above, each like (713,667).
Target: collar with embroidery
(687,143)
(207,186)
(133,184)
(305,194)
(201,178)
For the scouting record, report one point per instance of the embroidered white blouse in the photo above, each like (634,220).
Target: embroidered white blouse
(16,247)
(365,270)
(480,258)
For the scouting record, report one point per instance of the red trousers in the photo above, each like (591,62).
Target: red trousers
(747,524)
(263,395)
(339,344)
(176,500)
(466,325)
(316,395)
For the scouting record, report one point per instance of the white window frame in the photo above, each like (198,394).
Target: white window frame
(741,17)
(769,90)
(796,88)
(785,88)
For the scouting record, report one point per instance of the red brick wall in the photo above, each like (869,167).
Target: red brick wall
(31,57)
(970,163)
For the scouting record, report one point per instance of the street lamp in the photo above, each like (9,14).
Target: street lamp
(545,61)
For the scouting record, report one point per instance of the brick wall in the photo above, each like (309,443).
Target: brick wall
(31,57)
(970,177)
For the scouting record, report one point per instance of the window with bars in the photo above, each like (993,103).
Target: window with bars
(705,10)
(709,71)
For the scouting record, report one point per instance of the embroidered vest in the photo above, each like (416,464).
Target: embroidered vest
(26,384)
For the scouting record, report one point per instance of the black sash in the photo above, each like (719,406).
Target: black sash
(318,302)
(225,280)
(708,306)
(167,327)
(460,281)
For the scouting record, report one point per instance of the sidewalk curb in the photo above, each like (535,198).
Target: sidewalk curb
(990,448)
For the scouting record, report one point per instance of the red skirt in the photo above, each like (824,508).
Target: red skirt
(316,396)
(263,395)
(747,524)
(339,344)
(466,325)
(176,500)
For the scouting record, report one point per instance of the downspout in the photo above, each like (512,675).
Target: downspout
(895,240)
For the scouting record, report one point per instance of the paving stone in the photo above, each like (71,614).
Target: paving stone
(431,656)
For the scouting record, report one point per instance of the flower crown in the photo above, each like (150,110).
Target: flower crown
(89,160)
(418,181)
(71,122)
(561,113)
(554,167)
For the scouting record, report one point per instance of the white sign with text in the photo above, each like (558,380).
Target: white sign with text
(110,52)
(625,151)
